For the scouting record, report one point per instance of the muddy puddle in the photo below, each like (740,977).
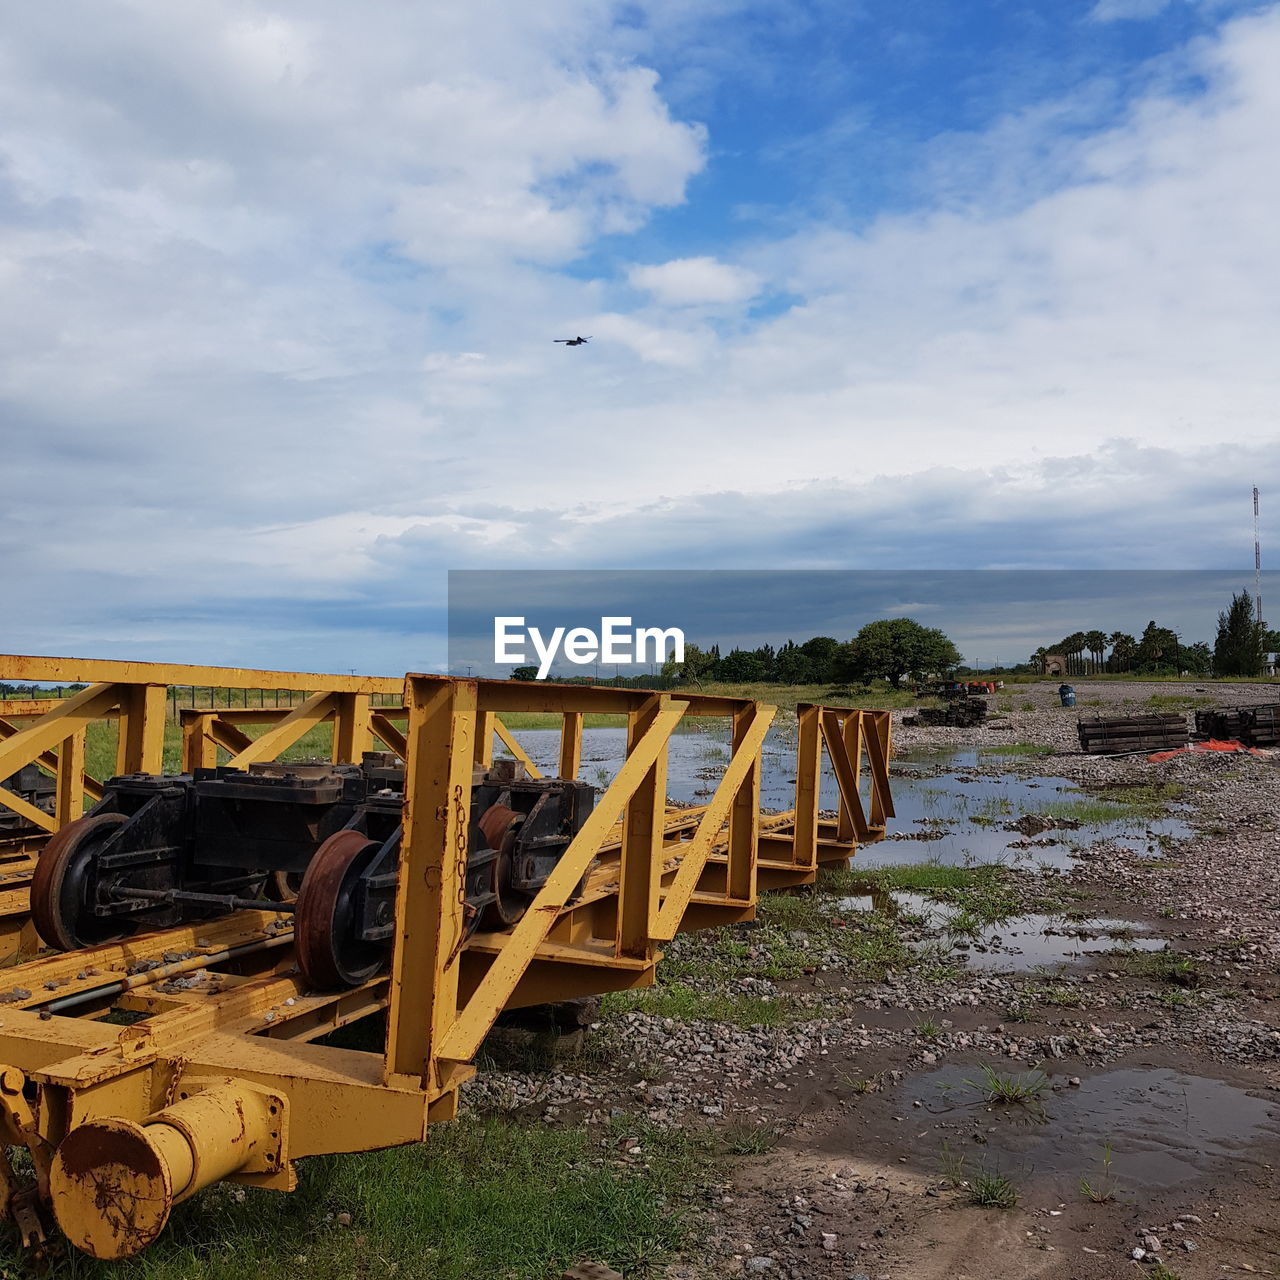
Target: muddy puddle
(1120,1130)
(1020,944)
(956,816)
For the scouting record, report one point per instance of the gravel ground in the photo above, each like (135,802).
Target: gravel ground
(848,1189)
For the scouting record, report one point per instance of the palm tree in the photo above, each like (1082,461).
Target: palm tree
(1123,647)
(1096,642)
(1073,646)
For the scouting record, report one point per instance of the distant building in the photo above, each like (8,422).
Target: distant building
(1053,664)
(1269,663)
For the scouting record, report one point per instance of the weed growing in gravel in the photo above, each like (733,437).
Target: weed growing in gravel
(928,1028)
(1165,966)
(999,1086)
(1021,749)
(862,1085)
(992,1189)
(744,1138)
(952,1164)
(1104,1190)
(688,1004)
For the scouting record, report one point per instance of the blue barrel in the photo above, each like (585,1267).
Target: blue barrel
(1067,694)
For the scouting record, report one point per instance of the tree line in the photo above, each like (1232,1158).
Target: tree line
(1240,648)
(890,649)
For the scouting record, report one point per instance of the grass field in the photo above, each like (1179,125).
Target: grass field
(485,1196)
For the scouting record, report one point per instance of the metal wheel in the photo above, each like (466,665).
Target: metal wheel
(324,920)
(282,886)
(60,905)
(501,828)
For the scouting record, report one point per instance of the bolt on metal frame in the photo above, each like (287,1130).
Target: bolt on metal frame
(227,1022)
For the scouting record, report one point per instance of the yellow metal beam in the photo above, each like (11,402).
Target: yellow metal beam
(140,742)
(846,778)
(515,748)
(571,745)
(808,783)
(463,1039)
(19,667)
(297,723)
(56,726)
(37,817)
(352,728)
(72,784)
(694,854)
(389,735)
(640,866)
(431,883)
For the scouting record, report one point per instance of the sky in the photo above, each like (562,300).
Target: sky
(870,285)
(994,617)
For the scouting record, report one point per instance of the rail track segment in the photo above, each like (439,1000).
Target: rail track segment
(139,1069)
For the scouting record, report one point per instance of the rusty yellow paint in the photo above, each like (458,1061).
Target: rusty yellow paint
(473,1022)
(570,745)
(353,728)
(22,668)
(430,888)
(694,853)
(640,864)
(55,726)
(148,1107)
(842,766)
(114,1181)
(140,742)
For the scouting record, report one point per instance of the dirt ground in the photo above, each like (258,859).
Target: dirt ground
(1153,1142)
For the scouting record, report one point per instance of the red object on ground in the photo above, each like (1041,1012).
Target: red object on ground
(1213,744)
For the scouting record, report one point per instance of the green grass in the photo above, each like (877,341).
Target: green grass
(1117,804)
(1103,1189)
(100,747)
(482,1198)
(1020,749)
(1178,701)
(991,1189)
(1165,966)
(982,895)
(1002,1086)
(988,1188)
(689,1004)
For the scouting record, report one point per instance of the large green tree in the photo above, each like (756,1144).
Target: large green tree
(897,647)
(1124,649)
(1238,650)
(1158,651)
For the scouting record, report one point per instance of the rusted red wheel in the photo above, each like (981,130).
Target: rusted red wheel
(500,827)
(326,941)
(61,907)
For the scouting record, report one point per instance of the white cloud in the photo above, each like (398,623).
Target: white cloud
(280,292)
(691,281)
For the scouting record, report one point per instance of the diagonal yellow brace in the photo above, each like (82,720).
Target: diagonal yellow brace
(276,739)
(47,732)
(389,736)
(515,748)
(846,778)
(37,817)
(696,852)
(489,999)
(877,758)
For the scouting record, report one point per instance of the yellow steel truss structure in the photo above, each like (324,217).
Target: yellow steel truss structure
(143,1110)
